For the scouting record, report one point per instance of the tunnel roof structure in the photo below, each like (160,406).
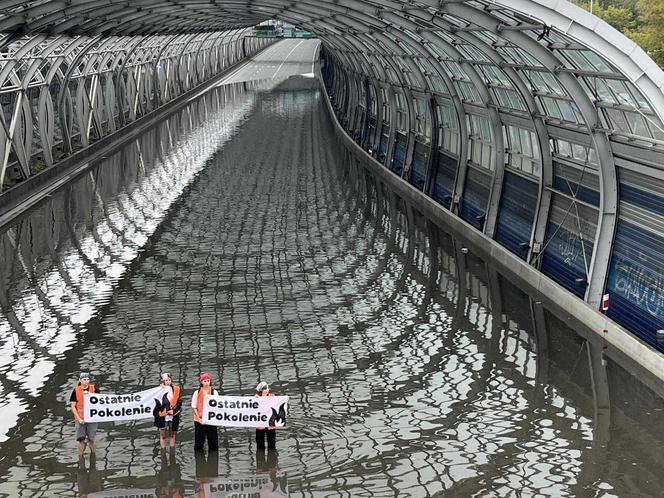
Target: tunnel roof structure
(539,81)
(556,25)
(534,60)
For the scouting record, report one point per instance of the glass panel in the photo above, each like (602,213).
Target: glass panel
(487,153)
(601,90)
(592,157)
(502,98)
(516,100)
(563,148)
(537,83)
(577,113)
(526,140)
(637,124)
(598,62)
(469,92)
(551,107)
(617,120)
(567,110)
(553,85)
(455,70)
(656,128)
(579,153)
(621,92)
(638,96)
(577,60)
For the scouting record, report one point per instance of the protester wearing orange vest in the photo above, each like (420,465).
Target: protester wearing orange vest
(84,431)
(167,412)
(202,430)
(269,433)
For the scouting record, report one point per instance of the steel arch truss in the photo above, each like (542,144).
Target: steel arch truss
(61,94)
(532,120)
(528,124)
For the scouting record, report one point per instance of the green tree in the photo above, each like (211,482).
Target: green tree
(621,17)
(649,34)
(640,20)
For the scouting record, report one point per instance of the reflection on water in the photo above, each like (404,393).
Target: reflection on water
(412,366)
(61,263)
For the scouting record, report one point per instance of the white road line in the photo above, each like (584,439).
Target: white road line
(313,58)
(289,53)
(248,64)
(258,63)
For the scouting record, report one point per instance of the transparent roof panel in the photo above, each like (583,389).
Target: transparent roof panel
(579,59)
(638,96)
(469,92)
(502,15)
(540,82)
(656,127)
(454,21)
(519,57)
(495,75)
(432,75)
(575,153)
(456,71)
(472,53)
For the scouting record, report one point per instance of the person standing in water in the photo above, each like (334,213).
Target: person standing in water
(203,431)
(85,432)
(167,412)
(263,433)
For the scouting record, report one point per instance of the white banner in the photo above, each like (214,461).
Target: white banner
(245,411)
(118,407)
(259,486)
(124,493)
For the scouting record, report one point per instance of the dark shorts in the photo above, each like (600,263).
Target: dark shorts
(85,432)
(171,425)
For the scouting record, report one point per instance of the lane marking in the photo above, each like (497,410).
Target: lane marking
(289,53)
(248,63)
(313,57)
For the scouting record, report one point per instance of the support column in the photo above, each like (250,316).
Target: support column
(432,166)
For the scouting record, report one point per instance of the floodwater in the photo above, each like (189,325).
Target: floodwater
(238,238)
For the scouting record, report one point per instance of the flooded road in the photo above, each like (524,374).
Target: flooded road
(238,238)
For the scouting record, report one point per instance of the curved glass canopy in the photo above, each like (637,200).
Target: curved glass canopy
(532,120)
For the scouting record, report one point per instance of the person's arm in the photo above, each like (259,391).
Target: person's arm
(72,404)
(178,407)
(76,415)
(194,404)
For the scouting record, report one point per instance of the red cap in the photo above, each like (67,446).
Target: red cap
(205,376)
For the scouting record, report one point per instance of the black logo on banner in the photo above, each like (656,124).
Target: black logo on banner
(278,419)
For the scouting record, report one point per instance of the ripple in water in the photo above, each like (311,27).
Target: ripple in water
(413,367)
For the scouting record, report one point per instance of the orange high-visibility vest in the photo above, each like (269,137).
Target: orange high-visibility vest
(173,400)
(80,395)
(199,403)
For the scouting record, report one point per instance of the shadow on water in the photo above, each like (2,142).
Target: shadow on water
(413,366)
